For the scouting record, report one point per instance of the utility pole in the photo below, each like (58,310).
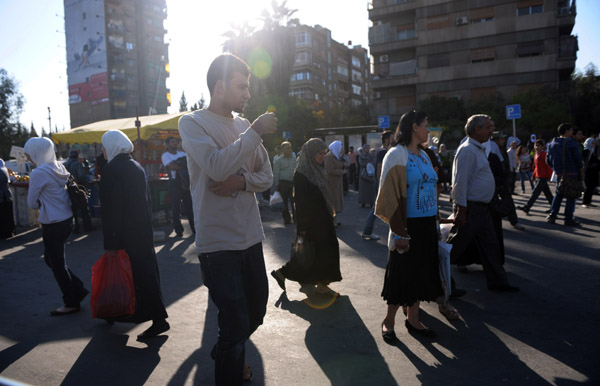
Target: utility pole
(49,121)
(162,64)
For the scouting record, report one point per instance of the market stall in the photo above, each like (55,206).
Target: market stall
(148,138)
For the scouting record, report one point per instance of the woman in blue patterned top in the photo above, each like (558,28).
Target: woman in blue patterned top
(407,201)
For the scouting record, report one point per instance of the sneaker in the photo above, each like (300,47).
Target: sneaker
(572,223)
(524,209)
(370,236)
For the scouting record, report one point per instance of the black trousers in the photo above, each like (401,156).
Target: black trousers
(286,189)
(479,230)
(55,235)
(540,186)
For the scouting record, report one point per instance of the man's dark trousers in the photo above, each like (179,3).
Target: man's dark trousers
(177,195)
(237,284)
(286,189)
(480,229)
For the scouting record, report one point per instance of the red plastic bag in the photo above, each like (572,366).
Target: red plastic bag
(113,293)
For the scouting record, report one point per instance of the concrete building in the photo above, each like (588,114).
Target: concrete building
(327,71)
(467,49)
(117,60)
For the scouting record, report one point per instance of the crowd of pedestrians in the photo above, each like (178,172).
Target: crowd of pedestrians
(224,166)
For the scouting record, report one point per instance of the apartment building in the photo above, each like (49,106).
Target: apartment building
(117,59)
(467,49)
(327,71)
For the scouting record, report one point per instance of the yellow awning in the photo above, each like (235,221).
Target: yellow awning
(150,125)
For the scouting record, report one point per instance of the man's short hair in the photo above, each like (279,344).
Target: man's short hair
(169,139)
(475,121)
(563,128)
(386,135)
(223,67)
(540,142)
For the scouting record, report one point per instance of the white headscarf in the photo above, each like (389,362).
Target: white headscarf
(41,150)
(336,148)
(115,143)
(588,144)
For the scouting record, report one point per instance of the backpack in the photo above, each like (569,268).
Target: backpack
(77,194)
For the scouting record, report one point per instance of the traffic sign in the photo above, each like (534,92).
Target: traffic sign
(383,121)
(513,111)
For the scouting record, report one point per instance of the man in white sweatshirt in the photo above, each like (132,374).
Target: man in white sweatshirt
(228,164)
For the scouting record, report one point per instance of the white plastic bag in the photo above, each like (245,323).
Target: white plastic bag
(276,199)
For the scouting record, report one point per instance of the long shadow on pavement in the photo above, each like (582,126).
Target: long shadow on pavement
(341,344)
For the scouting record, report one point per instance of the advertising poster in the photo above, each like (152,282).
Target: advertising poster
(86,51)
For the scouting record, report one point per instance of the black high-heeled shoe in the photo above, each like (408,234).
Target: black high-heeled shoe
(426,332)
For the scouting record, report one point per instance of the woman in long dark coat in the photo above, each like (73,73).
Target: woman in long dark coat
(127,224)
(314,215)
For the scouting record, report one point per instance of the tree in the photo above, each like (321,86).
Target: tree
(584,99)
(32,132)
(183,103)
(11,105)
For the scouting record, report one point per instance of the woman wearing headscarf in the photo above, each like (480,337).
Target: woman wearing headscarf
(7,224)
(127,224)
(407,201)
(315,212)
(335,168)
(366,176)
(48,192)
(591,157)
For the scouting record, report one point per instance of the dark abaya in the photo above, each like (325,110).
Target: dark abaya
(127,224)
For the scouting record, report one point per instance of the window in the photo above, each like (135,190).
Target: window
(158,38)
(438,60)
(531,10)
(148,20)
(356,90)
(298,76)
(303,39)
(530,49)
(481,15)
(302,58)
(483,55)
(407,31)
(356,62)
(129,46)
(302,92)
(356,76)
(115,41)
(343,70)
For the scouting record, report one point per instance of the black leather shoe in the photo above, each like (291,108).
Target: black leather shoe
(551,220)
(572,223)
(154,330)
(65,311)
(426,332)
(503,288)
(388,336)
(457,293)
(279,278)
(524,209)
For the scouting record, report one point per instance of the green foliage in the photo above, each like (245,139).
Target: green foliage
(585,99)
(11,105)
(542,111)
(183,103)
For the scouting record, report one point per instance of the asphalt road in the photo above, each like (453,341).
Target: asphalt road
(547,334)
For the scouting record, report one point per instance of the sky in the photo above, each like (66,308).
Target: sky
(32,50)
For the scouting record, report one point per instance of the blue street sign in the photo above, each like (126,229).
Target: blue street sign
(513,111)
(383,121)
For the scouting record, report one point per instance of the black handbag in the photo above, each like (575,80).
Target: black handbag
(570,188)
(303,252)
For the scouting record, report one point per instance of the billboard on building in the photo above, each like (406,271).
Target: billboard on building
(86,51)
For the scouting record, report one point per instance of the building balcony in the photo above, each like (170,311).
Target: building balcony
(391,7)
(378,83)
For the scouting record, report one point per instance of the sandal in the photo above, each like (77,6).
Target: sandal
(248,374)
(449,312)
